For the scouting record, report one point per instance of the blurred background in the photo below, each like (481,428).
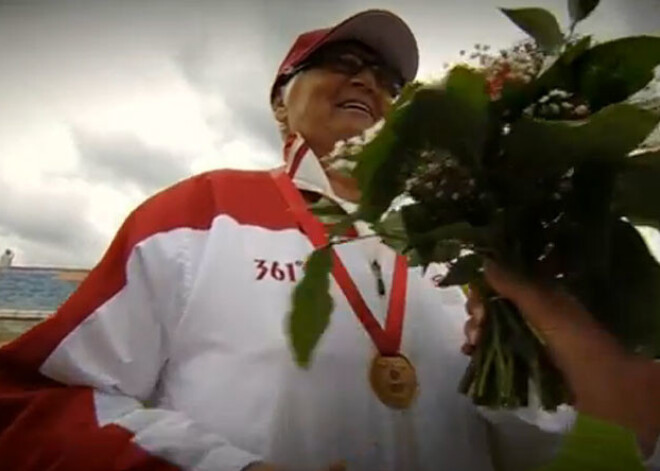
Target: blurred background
(104,103)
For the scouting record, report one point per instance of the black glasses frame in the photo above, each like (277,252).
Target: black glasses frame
(388,78)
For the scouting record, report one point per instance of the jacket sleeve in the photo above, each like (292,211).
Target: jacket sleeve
(527,438)
(652,463)
(72,389)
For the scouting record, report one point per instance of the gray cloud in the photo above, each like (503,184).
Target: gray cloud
(233,55)
(62,57)
(236,60)
(237,83)
(121,159)
(45,218)
(51,223)
(642,16)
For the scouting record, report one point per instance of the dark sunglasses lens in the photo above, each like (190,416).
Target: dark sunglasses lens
(351,64)
(387,79)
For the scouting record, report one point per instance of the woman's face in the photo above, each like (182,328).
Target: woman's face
(326,103)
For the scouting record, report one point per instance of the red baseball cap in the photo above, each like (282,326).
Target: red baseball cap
(384,32)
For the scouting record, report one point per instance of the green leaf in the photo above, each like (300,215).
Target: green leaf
(516,96)
(429,241)
(627,300)
(460,231)
(379,151)
(611,72)
(415,259)
(392,231)
(575,50)
(540,24)
(462,115)
(452,116)
(407,93)
(445,251)
(378,187)
(311,306)
(340,227)
(442,252)
(468,86)
(637,190)
(327,211)
(561,74)
(464,270)
(605,74)
(580,9)
(416,220)
(392,223)
(596,445)
(536,147)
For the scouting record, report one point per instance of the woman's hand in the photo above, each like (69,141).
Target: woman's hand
(605,381)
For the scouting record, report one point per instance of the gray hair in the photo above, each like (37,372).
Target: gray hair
(284,92)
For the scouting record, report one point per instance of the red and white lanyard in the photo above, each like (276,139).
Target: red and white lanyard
(387,340)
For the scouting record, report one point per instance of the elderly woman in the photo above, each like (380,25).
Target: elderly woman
(172,354)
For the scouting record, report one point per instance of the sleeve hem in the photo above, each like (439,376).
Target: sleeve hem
(652,462)
(227,458)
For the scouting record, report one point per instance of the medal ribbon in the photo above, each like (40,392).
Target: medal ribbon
(388,340)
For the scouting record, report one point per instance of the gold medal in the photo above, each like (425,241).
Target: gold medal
(394,380)
(392,376)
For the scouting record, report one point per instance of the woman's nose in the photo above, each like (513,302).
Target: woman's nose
(366,79)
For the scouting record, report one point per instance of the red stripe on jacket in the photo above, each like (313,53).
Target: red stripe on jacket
(250,198)
(45,425)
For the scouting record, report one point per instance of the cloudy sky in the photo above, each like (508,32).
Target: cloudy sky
(103,103)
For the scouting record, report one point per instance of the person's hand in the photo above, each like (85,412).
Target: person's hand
(474,325)
(606,382)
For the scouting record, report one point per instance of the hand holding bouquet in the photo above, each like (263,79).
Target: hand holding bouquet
(528,158)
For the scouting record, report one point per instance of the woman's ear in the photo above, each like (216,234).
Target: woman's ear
(280,110)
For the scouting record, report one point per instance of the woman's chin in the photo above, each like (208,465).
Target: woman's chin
(353,129)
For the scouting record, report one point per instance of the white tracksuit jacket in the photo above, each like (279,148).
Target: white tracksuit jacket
(172,354)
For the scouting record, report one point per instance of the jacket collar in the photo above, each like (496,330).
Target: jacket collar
(306,171)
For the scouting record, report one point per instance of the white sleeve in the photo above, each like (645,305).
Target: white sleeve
(652,463)
(529,437)
(105,348)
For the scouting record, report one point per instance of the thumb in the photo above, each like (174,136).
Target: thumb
(548,310)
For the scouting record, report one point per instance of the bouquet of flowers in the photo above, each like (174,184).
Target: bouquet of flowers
(528,157)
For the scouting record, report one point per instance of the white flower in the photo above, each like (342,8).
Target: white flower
(557,93)
(347,149)
(581,110)
(342,165)
(372,132)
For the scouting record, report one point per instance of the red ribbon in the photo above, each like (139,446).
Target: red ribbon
(388,340)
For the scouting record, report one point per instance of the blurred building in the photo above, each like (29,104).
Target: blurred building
(7,258)
(30,294)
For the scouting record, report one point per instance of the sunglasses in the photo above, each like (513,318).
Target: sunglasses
(351,64)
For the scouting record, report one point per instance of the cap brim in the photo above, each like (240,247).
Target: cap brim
(385,33)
